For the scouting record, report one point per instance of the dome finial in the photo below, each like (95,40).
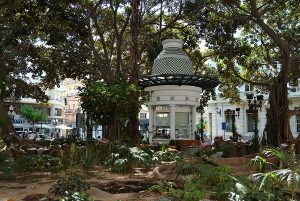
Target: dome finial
(172,43)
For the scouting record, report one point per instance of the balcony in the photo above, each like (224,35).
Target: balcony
(71,110)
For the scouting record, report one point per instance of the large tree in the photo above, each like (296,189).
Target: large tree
(257,42)
(87,39)
(19,56)
(115,33)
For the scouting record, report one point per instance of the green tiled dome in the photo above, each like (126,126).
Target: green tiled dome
(172,60)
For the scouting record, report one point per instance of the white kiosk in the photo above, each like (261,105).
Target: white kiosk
(174,93)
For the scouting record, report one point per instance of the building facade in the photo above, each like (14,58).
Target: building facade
(220,121)
(54,109)
(72,101)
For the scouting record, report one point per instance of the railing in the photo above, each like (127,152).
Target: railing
(71,110)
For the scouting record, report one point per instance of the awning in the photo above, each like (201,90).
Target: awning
(22,125)
(63,127)
(43,126)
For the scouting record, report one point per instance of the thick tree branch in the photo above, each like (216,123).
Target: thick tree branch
(237,74)
(275,37)
(267,50)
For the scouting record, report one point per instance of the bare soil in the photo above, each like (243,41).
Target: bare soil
(105,185)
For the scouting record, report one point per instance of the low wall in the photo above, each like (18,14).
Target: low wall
(185,144)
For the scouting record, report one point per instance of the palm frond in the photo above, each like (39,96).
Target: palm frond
(261,164)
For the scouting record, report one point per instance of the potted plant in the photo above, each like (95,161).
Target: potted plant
(172,144)
(144,143)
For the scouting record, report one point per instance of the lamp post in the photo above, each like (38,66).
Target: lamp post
(55,121)
(232,114)
(255,102)
(11,113)
(201,123)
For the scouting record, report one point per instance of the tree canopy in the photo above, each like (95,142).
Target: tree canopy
(33,115)
(255,46)
(106,104)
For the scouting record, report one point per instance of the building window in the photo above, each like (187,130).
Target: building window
(228,121)
(162,125)
(181,124)
(143,115)
(297,120)
(250,122)
(248,87)
(58,112)
(46,110)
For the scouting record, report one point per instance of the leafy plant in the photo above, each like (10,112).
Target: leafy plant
(280,184)
(165,156)
(35,162)
(76,196)
(163,187)
(71,187)
(262,164)
(127,158)
(203,177)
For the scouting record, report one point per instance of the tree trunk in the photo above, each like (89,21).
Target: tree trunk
(8,133)
(134,73)
(110,132)
(89,128)
(278,127)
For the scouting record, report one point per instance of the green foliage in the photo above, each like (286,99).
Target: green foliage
(33,115)
(165,156)
(163,147)
(252,45)
(163,188)
(5,162)
(76,196)
(203,177)
(69,189)
(85,156)
(126,158)
(280,184)
(286,159)
(192,192)
(261,163)
(106,104)
(35,162)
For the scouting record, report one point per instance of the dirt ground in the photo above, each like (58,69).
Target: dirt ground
(33,186)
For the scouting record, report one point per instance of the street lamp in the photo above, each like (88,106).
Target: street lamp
(254,103)
(201,123)
(11,112)
(233,115)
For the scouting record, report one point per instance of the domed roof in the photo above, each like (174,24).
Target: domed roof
(174,67)
(172,60)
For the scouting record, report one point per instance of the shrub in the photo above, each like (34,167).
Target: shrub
(69,189)
(127,158)
(35,162)
(164,156)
